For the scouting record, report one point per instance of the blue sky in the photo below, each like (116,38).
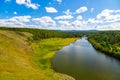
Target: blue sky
(61,14)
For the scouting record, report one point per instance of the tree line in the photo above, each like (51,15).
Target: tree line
(39,34)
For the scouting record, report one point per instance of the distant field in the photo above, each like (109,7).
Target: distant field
(21,60)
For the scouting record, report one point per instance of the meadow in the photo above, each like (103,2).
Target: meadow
(21,59)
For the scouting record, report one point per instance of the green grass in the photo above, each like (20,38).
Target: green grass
(45,50)
(20,61)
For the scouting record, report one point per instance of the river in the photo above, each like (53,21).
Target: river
(81,61)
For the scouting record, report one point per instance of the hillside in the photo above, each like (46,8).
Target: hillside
(19,60)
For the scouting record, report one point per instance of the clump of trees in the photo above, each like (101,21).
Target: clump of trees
(106,41)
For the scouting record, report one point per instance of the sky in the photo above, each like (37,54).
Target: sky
(61,14)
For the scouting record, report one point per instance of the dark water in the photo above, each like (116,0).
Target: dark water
(83,62)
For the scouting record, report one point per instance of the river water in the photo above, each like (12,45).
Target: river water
(81,61)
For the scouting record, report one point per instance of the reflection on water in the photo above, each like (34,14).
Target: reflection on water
(83,62)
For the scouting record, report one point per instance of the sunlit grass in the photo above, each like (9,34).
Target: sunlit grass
(20,61)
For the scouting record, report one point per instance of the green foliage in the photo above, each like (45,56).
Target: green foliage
(106,41)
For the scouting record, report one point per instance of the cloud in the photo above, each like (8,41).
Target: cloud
(109,16)
(74,25)
(20,19)
(8,23)
(106,20)
(15,12)
(67,12)
(64,23)
(59,1)
(77,24)
(63,17)
(79,17)
(93,21)
(28,4)
(104,14)
(81,10)
(16,21)
(111,26)
(45,21)
(51,10)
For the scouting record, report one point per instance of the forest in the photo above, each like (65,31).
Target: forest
(107,42)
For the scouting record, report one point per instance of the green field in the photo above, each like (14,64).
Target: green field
(22,60)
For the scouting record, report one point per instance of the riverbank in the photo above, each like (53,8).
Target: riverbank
(80,59)
(22,61)
(107,42)
(105,50)
(44,52)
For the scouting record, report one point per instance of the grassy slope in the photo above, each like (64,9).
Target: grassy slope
(18,61)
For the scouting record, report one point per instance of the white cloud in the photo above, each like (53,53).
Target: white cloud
(20,2)
(93,21)
(45,21)
(78,23)
(106,20)
(64,23)
(67,12)
(117,11)
(15,12)
(51,10)
(111,26)
(16,21)
(81,10)
(33,6)
(64,17)
(8,23)
(20,19)
(59,1)
(28,4)
(109,16)
(75,25)
(79,17)
(104,14)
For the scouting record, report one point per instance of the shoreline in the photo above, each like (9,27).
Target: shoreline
(63,76)
(47,49)
(116,56)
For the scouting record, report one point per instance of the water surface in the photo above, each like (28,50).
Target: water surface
(83,62)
